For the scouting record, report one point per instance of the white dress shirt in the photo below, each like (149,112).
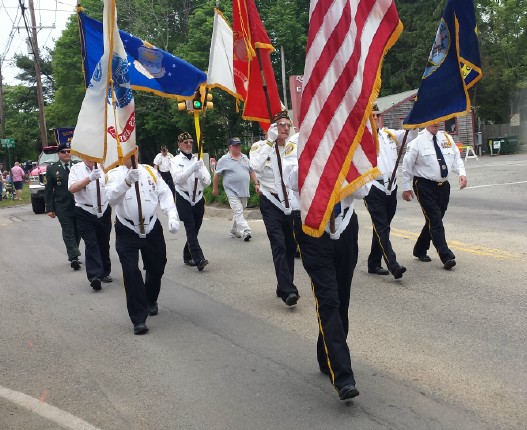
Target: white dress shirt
(390,142)
(421,158)
(163,161)
(153,192)
(86,198)
(184,179)
(264,162)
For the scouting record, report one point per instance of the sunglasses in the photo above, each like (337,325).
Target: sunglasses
(65,151)
(284,124)
(376,115)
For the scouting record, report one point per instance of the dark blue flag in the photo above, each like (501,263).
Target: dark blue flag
(64,134)
(453,67)
(150,68)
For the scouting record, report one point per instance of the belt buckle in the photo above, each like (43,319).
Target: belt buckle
(440,183)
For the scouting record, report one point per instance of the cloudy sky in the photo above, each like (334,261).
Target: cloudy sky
(51,15)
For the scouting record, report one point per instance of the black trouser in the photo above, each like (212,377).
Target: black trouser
(192,217)
(433,198)
(381,207)
(95,233)
(330,265)
(140,294)
(167,177)
(70,235)
(279,227)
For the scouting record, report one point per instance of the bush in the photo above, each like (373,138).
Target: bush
(221,198)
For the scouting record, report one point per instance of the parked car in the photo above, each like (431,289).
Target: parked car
(37,177)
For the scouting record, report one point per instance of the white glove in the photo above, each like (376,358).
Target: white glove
(198,175)
(173,225)
(272,133)
(95,174)
(132,176)
(196,165)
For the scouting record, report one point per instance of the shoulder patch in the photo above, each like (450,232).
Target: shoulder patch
(255,146)
(291,147)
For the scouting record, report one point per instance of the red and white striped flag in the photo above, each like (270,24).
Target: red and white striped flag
(347,42)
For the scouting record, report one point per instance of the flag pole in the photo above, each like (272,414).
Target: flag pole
(99,212)
(134,164)
(268,101)
(392,179)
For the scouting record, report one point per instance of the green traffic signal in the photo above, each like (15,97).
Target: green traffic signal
(197,104)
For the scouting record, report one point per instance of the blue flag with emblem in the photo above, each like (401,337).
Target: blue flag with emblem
(150,68)
(63,134)
(453,67)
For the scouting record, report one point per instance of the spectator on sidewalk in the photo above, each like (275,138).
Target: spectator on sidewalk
(17,178)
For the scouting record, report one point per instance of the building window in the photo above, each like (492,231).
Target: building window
(451,126)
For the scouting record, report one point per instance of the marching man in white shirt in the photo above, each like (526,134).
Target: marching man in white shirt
(162,164)
(185,169)
(426,165)
(381,202)
(141,296)
(94,226)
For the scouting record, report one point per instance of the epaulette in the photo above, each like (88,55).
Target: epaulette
(147,167)
(389,133)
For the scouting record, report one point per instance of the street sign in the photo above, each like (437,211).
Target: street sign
(8,143)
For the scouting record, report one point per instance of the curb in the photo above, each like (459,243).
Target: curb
(226,212)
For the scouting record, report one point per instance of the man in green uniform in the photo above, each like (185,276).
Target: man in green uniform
(61,204)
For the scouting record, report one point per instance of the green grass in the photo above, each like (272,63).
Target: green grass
(221,198)
(26,199)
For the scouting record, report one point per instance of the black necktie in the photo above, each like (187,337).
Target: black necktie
(440,158)
(67,168)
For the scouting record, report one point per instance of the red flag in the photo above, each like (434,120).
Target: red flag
(250,35)
(347,41)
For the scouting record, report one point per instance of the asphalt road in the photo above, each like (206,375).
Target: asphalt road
(435,350)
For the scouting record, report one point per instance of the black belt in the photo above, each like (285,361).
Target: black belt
(131,222)
(275,196)
(430,181)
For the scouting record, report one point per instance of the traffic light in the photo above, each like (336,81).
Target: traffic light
(209,104)
(196,104)
(197,101)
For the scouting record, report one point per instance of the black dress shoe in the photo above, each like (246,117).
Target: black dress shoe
(291,299)
(398,272)
(449,264)
(378,271)
(153,310)
(425,258)
(201,264)
(106,279)
(140,328)
(348,392)
(190,263)
(95,284)
(76,265)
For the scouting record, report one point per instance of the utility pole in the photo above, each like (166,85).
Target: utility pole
(2,111)
(40,94)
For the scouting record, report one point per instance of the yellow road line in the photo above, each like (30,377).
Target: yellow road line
(498,254)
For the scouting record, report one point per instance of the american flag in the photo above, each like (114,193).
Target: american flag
(347,41)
